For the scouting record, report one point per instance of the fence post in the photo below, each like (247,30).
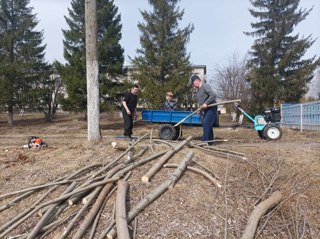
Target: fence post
(281,114)
(301,111)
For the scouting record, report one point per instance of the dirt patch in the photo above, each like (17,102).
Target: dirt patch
(194,208)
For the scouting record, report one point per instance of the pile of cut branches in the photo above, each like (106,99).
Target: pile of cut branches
(75,205)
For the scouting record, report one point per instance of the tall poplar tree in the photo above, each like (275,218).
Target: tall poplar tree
(280,69)
(162,62)
(92,71)
(23,68)
(110,54)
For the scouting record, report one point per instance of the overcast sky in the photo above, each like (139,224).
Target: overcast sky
(219,27)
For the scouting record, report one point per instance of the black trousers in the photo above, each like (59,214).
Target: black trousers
(128,122)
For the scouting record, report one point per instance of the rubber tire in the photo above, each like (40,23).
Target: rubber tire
(167,132)
(272,132)
(260,133)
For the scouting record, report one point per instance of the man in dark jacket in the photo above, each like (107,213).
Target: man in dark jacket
(206,96)
(170,104)
(129,109)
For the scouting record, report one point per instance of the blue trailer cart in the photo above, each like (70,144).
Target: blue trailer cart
(167,121)
(171,121)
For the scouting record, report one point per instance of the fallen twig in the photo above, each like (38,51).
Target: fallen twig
(258,212)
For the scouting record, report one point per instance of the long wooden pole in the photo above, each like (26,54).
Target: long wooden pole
(121,212)
(196,170)
(211,105)
(158,165)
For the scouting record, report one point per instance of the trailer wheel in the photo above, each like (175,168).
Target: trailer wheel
(167,132)
(272,132)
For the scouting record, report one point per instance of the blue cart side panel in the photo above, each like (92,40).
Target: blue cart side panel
(172,117)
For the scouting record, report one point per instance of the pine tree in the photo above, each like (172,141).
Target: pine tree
(279,68)
(163,63)
(22,64)
(110,52)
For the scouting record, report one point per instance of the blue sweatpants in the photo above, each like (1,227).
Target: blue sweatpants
(209,118)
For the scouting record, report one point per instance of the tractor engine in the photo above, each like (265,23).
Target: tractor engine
(272,115)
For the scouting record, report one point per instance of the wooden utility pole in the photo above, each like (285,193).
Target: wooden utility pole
(92,71)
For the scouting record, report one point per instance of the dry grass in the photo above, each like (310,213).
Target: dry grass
(194,208)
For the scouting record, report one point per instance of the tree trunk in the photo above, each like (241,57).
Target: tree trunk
(10,115)
(92,71)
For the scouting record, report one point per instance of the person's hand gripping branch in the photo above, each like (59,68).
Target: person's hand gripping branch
(204,106)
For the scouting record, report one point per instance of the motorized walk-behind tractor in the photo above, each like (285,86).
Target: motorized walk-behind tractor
(267,125)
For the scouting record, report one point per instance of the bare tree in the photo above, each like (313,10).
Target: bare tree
(54,92)
(92,71)
(316,81)
(230,81)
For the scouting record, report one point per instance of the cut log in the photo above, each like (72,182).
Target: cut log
(35,188)
(87,198)
(121,212)
(158,165)
(52,226)
(84,169)
(15,221)
(258,212)
(139,163)
(140,206)
(228,155)
(135,226)
(134,157)
(97,205)
(15,200)
(224,150)
(97,218)
(33,210)
(199,171)
(172,145)
(119,146)
(113,162)
(18,219)
(123,172)
(45,219)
